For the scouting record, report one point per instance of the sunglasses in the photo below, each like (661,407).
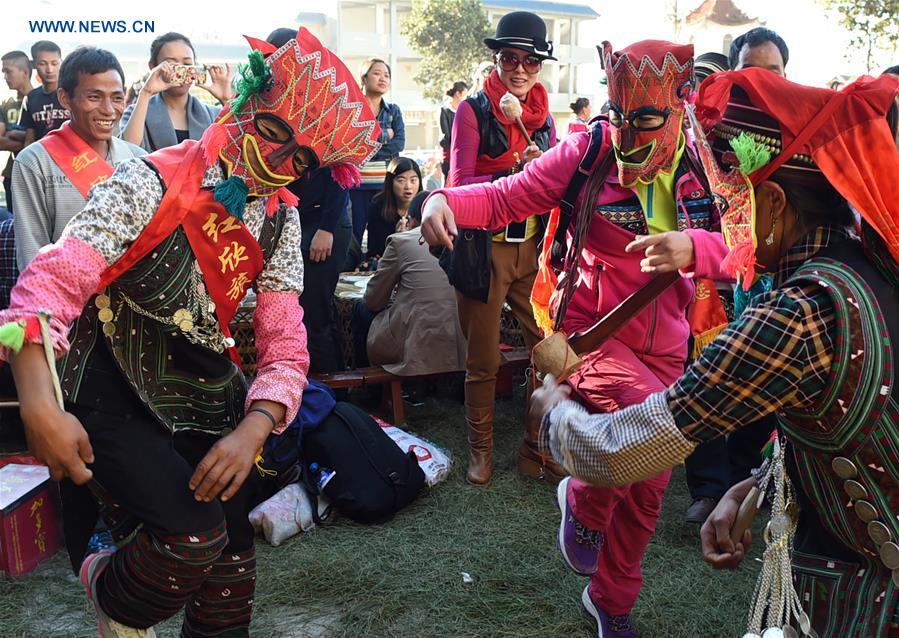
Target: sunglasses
(508,62)
(273,129)
(645,118)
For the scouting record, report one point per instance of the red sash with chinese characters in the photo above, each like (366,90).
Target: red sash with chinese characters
(81,164)
(229,256)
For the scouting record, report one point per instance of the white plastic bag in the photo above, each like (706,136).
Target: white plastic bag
(434,461)
(286,514)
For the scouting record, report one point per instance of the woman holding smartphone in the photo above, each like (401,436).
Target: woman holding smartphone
(165,113)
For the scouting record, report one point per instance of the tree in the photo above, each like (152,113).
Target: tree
(874,25)
(448,35)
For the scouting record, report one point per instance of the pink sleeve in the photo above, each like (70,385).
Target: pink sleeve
(61,278)
(538,188)
(709,250)
(466,139)
(282,360)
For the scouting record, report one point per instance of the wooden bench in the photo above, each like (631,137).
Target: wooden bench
(392,400)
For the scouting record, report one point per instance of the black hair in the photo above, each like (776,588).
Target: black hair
(87,60)
(455,88)
(44,46)
(416,206)
(579,105)
(753,38)
(368,64)
(893,70)
(164,39)
(893,117)
(280,37)
(816,204)
(19,58)
(397,165)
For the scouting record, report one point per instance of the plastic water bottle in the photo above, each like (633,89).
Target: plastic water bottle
(322,475)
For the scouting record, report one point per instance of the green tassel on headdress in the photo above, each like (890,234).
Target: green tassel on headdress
(12,335)
(232,194)
(751,153)
(253,79)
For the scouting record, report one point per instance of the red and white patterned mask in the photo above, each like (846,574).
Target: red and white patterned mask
(648,83)
(298,108)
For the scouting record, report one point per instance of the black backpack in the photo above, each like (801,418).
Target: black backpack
(373,479)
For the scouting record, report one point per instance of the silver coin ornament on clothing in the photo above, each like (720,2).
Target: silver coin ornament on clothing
(773,632)
(889,554)
(855,490)
(865,511)
(804,623)
(844,468)
(879,533)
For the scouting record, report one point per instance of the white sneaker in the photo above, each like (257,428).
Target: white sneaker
(91,569)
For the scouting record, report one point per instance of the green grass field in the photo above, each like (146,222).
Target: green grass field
(405,579)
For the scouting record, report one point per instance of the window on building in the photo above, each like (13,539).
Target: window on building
(357,17)
(565,85)
(565,34)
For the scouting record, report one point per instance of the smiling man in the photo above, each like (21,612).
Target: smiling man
(52,177)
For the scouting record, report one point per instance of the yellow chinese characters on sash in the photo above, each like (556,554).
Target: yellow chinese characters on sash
(230,258)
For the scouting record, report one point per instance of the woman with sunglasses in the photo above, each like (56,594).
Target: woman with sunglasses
(486,145)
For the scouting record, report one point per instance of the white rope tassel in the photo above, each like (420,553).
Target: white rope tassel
(776,603)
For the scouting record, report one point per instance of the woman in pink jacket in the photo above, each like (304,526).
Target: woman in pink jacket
(653,214)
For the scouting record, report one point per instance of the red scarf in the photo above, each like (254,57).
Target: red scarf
(533,116)
(81,164)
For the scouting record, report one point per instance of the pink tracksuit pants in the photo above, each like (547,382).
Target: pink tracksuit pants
(610,379)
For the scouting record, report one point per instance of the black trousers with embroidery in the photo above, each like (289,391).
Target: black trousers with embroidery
(187,554)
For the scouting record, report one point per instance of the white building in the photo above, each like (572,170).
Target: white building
(371,28)
(713,25)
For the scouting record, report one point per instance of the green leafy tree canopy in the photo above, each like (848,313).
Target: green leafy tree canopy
(874,25)
(448,35)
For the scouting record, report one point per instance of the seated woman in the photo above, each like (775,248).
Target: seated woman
(419,333)
(818,350)
(389,208)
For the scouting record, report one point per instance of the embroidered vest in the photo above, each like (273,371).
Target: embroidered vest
(844,457)
(159,324)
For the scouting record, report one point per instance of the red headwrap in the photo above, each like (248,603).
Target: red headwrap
(845,133)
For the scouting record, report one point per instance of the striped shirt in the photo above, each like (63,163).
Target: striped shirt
(45,199)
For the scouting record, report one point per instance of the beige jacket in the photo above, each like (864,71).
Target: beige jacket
(420,332)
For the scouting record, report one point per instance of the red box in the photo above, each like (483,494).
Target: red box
(29,517)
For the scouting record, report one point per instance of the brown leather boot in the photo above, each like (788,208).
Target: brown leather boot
(531,463)
(480,444)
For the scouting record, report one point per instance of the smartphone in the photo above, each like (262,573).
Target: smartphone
(188,73)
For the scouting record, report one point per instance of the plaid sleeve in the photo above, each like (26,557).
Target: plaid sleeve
(617,448)
(776,355)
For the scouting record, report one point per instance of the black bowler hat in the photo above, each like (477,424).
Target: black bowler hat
(522,30)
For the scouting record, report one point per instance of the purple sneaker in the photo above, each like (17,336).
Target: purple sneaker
(607,626)
(579,546)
